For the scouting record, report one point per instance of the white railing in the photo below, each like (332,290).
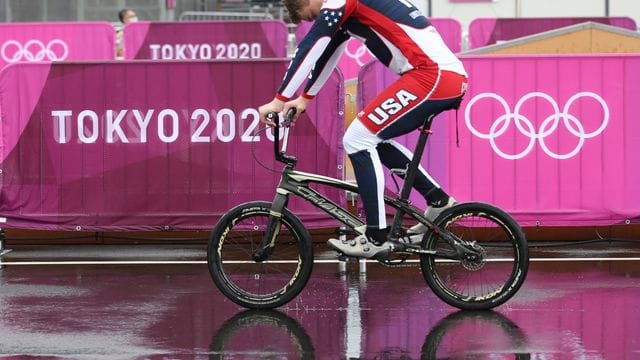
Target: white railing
(223,15)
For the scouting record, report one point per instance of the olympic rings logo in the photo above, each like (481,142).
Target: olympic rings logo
(34,50)
(362,54)
(526,127)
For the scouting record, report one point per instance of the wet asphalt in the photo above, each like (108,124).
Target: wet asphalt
(158,302)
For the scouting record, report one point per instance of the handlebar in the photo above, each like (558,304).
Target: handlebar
(280,154)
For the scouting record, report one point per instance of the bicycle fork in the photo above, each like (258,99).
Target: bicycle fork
(268,242)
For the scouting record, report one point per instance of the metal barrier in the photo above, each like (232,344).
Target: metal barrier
(223,15)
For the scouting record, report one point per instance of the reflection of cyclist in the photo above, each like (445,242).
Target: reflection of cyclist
(431,80)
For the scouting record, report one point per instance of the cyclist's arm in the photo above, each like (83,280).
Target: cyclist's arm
(314,45)
(325,64)
(321,72)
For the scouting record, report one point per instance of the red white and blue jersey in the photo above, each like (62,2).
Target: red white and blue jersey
(393,30)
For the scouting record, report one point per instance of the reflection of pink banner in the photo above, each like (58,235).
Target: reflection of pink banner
(144,146)
(206,40)
(356,54)
(539,143)
(578,312)
(20,42)
(489,31)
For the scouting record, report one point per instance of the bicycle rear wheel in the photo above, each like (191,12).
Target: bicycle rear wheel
(487,280)
(259,285)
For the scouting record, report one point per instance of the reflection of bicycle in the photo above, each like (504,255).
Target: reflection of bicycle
(260,255)
(476,335)
(261,334)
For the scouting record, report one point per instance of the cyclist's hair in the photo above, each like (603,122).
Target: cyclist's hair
(294,6)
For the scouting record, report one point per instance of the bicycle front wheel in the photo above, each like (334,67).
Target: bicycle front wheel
(261,334)
(495,270)
(266,284)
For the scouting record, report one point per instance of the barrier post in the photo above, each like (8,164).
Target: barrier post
(2,242)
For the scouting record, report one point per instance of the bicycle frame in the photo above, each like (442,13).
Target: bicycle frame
(297,183)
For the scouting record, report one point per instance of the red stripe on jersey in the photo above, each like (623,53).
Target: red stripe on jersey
(449,86)
(390,30)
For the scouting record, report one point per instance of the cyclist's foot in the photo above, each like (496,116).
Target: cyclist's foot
(431,214)
(359,247)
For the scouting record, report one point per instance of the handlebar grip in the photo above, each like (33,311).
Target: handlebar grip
(272,116)
(288,118)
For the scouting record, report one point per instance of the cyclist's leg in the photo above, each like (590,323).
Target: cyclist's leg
(446,89)
(444,94)
(360,144)
(392,109)
(396,156)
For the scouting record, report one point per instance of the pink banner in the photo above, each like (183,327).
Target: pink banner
(489,31)
(547,148)
(150,145)
(554,150)
(356,54)
(206,40)
(28,42)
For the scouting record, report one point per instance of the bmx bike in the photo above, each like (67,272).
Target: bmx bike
(473,256)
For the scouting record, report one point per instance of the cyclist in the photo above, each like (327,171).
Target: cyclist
(432,79)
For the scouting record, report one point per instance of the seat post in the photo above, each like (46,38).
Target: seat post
(412,171)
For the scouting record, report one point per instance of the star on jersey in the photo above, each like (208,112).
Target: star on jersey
(331,17)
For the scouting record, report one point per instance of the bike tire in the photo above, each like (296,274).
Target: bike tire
(259,285)
(484,283)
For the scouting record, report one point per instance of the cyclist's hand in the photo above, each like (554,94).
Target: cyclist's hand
(300,104)
(276,105)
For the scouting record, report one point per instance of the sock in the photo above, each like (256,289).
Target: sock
(437,198)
